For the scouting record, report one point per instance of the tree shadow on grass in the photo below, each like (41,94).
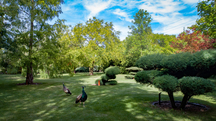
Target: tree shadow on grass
(125,101)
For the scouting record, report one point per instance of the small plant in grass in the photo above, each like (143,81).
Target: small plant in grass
(191,86)
(168,84)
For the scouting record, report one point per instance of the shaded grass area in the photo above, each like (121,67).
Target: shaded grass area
(128,101)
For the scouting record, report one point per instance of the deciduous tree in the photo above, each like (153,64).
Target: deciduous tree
(31,25)
(192,41)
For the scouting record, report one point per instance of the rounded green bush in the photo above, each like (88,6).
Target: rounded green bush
(142,77)
(195,85)
(113,82)
(104,77)
(112,71)
(147,76)
(167,83)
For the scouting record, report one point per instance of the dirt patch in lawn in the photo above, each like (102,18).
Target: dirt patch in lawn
(190,107)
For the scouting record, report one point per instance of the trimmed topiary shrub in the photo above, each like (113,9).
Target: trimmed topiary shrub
(201,64)
(183,66)
(82,69)
(194,86)
(112,71)
(143,77)
(112,82)
(149,62)
(133,69)
(168,84)
(104,78)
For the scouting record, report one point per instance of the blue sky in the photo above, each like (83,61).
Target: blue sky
(169,16)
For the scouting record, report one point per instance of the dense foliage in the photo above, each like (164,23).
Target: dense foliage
(192,41)
(194,86)
(82,69)
(150,62)
(199,64)
(207,21)
(146,77)
(133,69)
(110,73)
(168,84)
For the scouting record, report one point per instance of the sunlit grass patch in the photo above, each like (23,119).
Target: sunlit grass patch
(127,100)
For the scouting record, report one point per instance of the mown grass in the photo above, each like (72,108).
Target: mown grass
(127,101)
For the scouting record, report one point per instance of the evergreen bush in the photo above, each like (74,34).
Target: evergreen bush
(168,84)
(194,86)
(133,69)
(112,82)
(112,71)
(142,77)
(82,69)
(149,62)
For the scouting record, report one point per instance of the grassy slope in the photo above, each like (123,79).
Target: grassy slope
(126,101)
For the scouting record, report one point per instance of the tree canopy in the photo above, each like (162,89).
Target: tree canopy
(207,21)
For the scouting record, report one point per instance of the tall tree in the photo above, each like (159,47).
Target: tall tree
(141,22)
(32,17)
(138,41)
(207,23)
(94,43)
(153,43)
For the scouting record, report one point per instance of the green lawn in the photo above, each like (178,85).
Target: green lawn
(127,101)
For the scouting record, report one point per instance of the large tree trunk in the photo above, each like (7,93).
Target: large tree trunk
(29,77)
(91,69)
(184,101)
(172,100)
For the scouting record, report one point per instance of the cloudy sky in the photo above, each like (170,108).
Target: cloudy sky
(169,16)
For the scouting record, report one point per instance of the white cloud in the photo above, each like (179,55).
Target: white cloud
(123,29)
(161,6)
(96,6)
(166,12)
(177,27)
(122,14)
(190,1)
